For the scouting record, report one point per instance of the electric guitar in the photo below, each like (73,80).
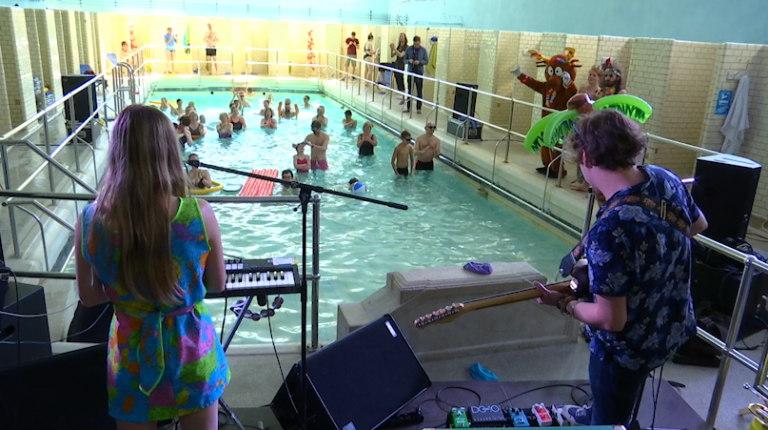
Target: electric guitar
(577,286)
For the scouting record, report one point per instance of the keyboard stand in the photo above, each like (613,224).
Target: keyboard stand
(227,410)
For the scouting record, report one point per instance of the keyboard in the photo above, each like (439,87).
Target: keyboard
(258,277)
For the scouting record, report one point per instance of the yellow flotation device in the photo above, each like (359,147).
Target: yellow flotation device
(157,102)
(203,191)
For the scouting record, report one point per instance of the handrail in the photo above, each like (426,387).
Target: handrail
(495,150)
(48,159)
(43,209)
(682,144)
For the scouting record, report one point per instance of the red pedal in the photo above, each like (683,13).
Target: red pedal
(542,415)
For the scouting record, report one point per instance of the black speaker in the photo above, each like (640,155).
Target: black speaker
(464,100)
(65,391)
(31,301)
(724,190)
(357,382)
(70,83)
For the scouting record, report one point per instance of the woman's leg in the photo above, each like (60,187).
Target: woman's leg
(173,59)
(167,60)
(206,419)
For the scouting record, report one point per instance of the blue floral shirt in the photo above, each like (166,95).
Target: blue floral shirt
(635,254)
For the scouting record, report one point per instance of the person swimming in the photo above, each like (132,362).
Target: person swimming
(356,186)
(366,141)
(225,127)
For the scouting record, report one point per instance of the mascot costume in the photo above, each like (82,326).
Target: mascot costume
(558,88)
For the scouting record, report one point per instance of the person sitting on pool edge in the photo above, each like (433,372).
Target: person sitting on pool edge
(196,177)
(319,142)
(300,160)
(286,112)
(238,122)
(366,141)
(356,186)
(400,160)
(269,120)
(306,102)
(348,122)
(427,148)
(225,127)
(321,118)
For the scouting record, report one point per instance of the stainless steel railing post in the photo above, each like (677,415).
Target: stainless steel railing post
(315,272)
(730,340)
(72,128)
(11,213)
(46,134)
(42,235)
(509,129)
(92,126)
(437,103)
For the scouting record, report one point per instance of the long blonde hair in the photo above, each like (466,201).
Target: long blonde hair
(144,172)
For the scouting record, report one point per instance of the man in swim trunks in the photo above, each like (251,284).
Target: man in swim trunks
(321,118)
(427,148)
(319,143)
(400,161)
(352,45)
(285,110)
(210,39)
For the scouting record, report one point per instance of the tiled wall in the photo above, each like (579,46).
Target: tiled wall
(5,113)
(586,53)
(749,59)
(648,78)
(523,115)
(69,28)
(17,65)
(34,44)
(618,49)
(486,74)
(49,50)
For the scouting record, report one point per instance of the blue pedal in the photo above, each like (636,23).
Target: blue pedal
(518,417)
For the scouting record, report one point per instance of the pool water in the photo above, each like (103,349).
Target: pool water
(447,224)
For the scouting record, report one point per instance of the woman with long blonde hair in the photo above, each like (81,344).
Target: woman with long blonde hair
(152,253)
(398,53)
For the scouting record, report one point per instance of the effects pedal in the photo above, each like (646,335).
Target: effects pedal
(556,411)
(458,419)
(518,417)
(403,420)
(487,416)
(542,415)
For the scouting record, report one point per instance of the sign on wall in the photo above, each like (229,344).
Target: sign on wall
(723,102)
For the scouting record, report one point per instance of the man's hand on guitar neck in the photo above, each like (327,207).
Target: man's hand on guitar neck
(606,313)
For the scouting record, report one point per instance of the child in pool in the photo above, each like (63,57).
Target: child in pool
(287,175)
(400,157)
(238,122)
(356,186)
(269,119)
(348,122)
(225,127)
(164,106)
(300,161)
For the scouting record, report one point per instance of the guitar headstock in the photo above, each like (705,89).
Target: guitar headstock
(442,315)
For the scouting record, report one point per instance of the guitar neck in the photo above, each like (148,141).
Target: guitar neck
(514,297)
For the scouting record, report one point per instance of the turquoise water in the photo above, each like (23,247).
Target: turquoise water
(448,223)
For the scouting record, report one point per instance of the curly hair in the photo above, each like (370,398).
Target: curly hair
(607,139)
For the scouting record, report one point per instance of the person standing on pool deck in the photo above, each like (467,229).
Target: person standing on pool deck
(153,253)
(366,141)
(319,142)
(352,44)
(398,53)
(321,118)
(170,50)
(427,148)
(418,58)
(210,39)
(400,160)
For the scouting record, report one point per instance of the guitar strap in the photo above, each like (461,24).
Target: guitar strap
(662,209)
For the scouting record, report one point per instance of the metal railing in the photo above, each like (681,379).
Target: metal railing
(314,278)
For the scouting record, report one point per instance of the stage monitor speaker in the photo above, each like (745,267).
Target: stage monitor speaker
(65,392)
(357,382)
(83,110)
(464,101)
(724,190)
(31,301)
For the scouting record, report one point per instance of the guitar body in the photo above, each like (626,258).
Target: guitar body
(577,286)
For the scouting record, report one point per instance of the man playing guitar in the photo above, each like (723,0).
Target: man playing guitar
(639,256)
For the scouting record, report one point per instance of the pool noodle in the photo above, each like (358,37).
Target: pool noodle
(258,187)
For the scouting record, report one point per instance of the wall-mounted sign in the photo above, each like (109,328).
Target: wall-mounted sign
(723,102)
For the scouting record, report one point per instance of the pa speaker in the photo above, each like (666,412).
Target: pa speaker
(357,382)
(33,333)
(464,100)
(83,109)
(724,190)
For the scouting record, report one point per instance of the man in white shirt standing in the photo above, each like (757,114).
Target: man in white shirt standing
(211,38)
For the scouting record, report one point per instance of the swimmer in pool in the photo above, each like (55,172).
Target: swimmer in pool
(287,175)
(269,120)
(182,132)
(366,141)
(300,160)
(196,128)
(225,127)
(266,105)
(306,102)
(356,186)
(179,109)
(242,101)
(238,122)
(164,106)
(319,142)
(285,110)
(400,157)
(196,177)
(321,118)
(348,122)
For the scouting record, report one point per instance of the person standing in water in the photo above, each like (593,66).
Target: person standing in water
(366,141)
(402,157)
(319,142)
(427,148)
(285,110)
(321,118)
(210,40)
(348,121)
(153,253)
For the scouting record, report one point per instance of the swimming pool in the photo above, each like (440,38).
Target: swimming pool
(448,222)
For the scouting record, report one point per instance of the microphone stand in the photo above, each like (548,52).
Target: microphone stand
(305,195)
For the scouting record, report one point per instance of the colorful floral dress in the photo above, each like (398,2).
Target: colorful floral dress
(163,361)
